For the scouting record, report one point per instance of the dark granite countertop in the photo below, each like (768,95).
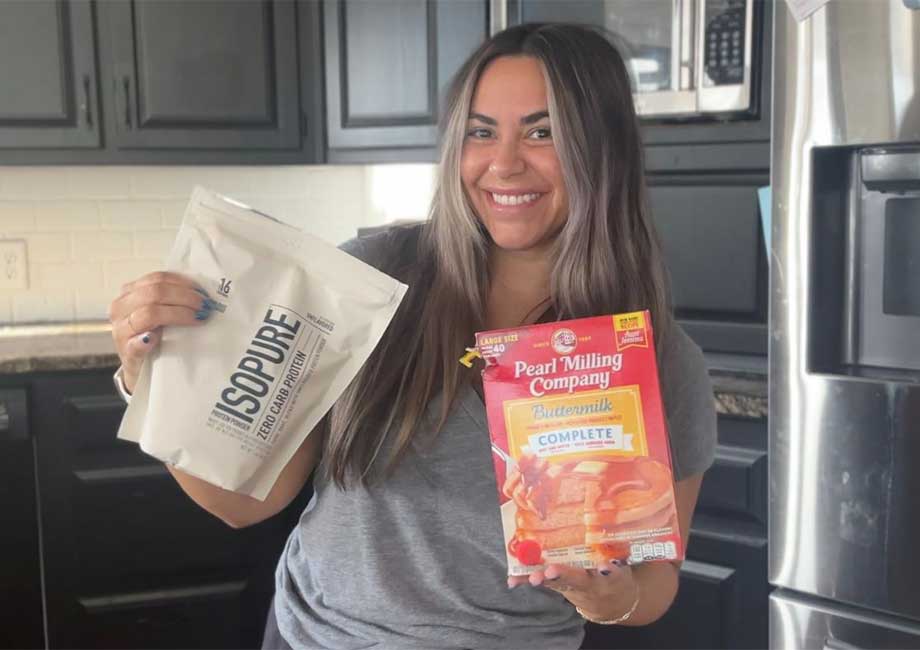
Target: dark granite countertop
(34,348)
(739,384)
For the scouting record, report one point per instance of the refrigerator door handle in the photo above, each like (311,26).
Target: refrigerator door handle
(837,644)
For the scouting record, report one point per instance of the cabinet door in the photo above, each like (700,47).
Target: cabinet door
(713,246)
(129,560)
(20,572)
(388,65)
(48,95)
(201,74)
(735,487)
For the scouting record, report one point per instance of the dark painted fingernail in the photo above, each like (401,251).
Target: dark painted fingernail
(203,314)
(618,562)
(202,292)
(145,338)
(604,572)
(207,304)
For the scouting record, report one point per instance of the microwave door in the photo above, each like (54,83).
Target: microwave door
(723,55)
(657,37)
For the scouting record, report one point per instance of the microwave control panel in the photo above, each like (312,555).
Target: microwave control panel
(724,38)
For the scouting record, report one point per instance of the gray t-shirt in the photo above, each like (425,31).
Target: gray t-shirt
(418,561)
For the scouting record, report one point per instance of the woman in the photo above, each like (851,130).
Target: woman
(538,215)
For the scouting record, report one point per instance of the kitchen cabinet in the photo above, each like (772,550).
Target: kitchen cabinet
(20,571)
(48,93)
(711,233)
(388,66)
(191,81)
(201,74)
(128,560)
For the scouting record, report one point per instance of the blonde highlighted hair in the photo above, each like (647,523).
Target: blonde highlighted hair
(607,257)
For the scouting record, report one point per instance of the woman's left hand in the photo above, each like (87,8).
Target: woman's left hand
(605,593)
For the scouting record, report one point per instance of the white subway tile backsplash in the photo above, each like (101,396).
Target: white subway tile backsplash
(171,213)
(47,246)
(69,275)
(103,246)
(120,272)
(93,303)
(32,183)
(178,182)
(110,182)
(16,216)
(35,306)
(130,215)
(66,215)
(153,244)
(91,229)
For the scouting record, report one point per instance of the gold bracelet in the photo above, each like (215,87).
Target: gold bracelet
(619,619)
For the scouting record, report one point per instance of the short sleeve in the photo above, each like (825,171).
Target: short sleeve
(689,405)
(386,249)
(370,249)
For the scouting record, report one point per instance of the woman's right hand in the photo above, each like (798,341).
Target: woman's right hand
(144,307)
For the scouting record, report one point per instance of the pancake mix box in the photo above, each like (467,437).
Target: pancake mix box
(579,442)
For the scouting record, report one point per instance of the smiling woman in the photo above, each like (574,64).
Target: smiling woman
(510,169)
(538,214)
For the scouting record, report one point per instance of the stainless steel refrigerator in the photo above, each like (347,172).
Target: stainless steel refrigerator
(845,327)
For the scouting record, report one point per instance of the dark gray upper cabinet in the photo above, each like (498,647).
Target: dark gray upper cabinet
(712,243)
(179,82)
(202,74)
(711,234)
(48,92)
(388,65)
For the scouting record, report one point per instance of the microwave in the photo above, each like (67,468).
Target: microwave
(686,58)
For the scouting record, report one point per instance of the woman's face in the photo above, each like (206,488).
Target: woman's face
(509,166)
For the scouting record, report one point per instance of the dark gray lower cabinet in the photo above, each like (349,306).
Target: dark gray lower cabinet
(48,80)
(20,561)
(129,560)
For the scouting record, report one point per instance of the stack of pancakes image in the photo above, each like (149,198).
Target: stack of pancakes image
(590,502)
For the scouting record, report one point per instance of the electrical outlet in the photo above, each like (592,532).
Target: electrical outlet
(14,265)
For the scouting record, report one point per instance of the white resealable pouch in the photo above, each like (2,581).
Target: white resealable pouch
(295,319)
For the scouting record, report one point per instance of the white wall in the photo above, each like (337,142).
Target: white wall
(89,230)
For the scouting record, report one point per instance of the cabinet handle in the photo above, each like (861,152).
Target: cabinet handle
(13,423)
(4,419)
(11,430)
(87,107)
(126,85)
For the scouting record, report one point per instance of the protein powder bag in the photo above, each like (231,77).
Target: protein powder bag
(296,318)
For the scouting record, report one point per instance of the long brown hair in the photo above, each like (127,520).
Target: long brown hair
(607,258)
